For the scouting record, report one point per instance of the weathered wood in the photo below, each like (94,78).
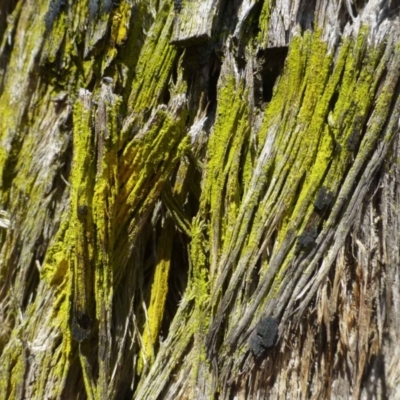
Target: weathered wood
(199,199)
(194,21)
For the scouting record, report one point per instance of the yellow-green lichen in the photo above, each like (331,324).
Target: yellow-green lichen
(263,23)
(80,231)
(155,61)
(222,191)
(200,290)
(158,295)
(148,160)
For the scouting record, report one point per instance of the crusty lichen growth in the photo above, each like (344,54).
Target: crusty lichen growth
(222,187)
(79,266)
(264,24)
(79,243)
(159,291)
(115,191)
(308,152)
(155,62)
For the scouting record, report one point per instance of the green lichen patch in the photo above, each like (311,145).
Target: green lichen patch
(147,163)
(154,65)
(222,189)
(263,24)
(159,291)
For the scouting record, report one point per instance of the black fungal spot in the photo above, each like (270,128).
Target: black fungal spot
(267,329)
(307,239)
(256,346)
(324,199)
(83,320)
(81,325)
(264,337)
(53,12)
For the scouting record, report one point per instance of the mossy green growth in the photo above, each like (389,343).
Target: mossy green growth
(158,295)
(298,153)
(326,119)
(199,289)
(7,131)
(79,238)
(120,23)
(147,157)
(145,166)
(12,375)
(20,67)
(106,180)
(286,100)
(55,38)
(155,62)
(104,204)
(263,23)
(313,148)
(277,140)
(119,31)
(347,119)
(55,264)
(222,189)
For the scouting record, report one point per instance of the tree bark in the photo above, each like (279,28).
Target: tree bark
(199,199)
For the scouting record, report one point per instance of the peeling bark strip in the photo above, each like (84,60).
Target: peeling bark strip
(199,199)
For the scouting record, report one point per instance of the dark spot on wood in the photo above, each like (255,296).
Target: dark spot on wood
(337,147)
(83,320)
(352,141)
(81,324)
(264,337)
(82,211)
(307,239)
(323,200)
(267,329)
(256,346)
(39,241)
